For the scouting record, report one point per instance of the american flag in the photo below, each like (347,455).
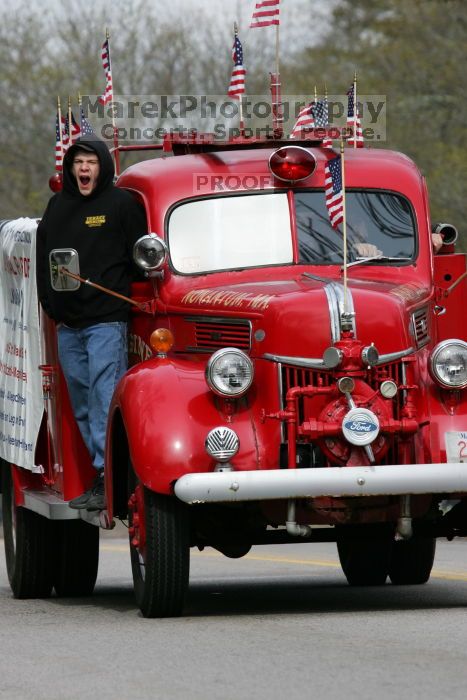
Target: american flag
(59,145)
(305,120)
(321,112)
(108,93)
(86,128)
(266,13)
(353,118)
(333,191)
(72,135)
(237,79)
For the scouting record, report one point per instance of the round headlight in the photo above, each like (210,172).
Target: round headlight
(150,252)
(229,372)
(448,364)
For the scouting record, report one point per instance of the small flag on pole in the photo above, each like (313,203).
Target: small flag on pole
(59,149)
(333,190)
(107,96)
(237,79)
(86,128)
(266,14)
(305,120)
(353,118)
(71,135)
(321,113)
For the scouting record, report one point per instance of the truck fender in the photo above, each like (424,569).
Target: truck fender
(148,405)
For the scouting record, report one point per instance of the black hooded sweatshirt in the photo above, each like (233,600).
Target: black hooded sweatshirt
(103,227)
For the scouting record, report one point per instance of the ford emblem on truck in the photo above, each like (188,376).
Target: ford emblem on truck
(360,426)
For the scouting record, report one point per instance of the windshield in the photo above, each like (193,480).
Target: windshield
(254,230)
(378,224)
(230,233)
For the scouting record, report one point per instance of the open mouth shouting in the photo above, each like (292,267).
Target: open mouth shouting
(86,169)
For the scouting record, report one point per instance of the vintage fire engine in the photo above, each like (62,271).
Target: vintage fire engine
(275,394)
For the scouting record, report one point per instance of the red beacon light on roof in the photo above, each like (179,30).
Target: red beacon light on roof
(292,163)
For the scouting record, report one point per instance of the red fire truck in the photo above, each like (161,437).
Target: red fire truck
(276,392)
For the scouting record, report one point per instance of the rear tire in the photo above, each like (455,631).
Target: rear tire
(365,561)
(159,534)
(412,560)
(76,557)
(28,546)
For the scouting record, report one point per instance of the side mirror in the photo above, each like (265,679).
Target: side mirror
(61,261)
(150,252)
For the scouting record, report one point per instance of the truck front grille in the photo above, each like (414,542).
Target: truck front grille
(291,376)
(218,333)
(420,326)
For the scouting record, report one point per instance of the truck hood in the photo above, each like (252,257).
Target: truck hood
(300,316)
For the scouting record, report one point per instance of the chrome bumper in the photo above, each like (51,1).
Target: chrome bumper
(268,484)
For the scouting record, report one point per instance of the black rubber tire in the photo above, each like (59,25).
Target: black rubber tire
(76,557)
(28,546)
(365,561)
(412,561)
(161,570)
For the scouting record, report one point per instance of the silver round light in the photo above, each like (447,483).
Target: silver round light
(229,372)
(346,385)
(222,443)
(150,252)
(388,389)
(332,357)
(370,356)
(448,364)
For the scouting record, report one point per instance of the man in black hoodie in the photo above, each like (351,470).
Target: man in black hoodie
(101,222)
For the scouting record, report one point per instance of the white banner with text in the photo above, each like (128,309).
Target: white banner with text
(21,402)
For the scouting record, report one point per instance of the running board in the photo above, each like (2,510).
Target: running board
(52,507)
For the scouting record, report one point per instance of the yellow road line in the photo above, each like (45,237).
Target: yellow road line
(436,573)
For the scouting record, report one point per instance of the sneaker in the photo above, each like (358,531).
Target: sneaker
(96,500)
(82,501)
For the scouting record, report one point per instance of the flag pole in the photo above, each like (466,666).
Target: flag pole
(277,50)
(59,112)
(355,110)
(70,124)
(277,115)
(344,224)
(114,126)
(80,104)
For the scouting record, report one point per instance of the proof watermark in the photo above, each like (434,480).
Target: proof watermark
(208,183)
(149,118)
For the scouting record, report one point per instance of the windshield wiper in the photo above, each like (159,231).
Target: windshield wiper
(376,258)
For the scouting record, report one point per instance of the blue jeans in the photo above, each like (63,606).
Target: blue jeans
(93,360)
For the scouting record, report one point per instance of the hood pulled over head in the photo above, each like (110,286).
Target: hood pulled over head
(106,173)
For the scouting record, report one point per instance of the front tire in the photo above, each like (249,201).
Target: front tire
(412,560)
(28,545)
(76,557)
(365,560)
(160,551)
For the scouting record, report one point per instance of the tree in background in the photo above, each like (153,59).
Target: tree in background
(415,53)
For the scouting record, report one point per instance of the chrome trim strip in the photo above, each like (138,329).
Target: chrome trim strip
(313,363)
(335,294)
(392,356)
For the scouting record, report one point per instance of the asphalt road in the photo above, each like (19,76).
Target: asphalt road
(282,623)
